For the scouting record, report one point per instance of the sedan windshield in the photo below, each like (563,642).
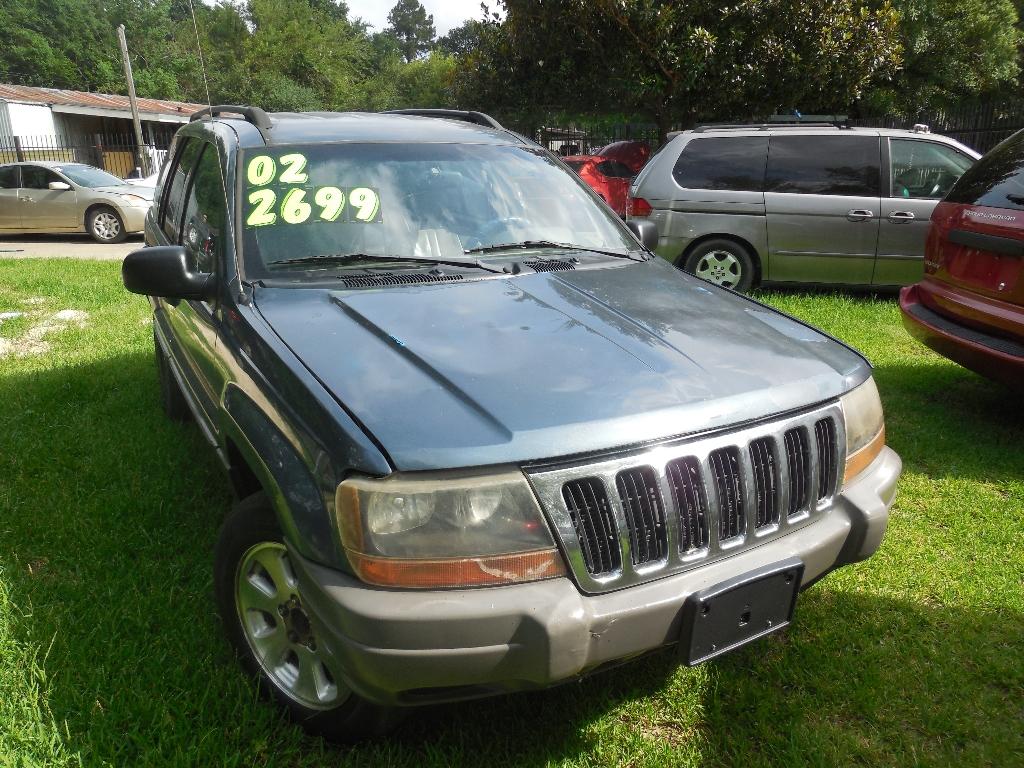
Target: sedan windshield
(412,201)
(87,176)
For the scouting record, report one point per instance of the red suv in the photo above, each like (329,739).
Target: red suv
(609,178)
(970,305)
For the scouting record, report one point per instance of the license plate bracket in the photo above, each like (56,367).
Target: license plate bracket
(725,616)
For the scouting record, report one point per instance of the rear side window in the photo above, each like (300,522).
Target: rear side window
(824,165)
(174,188)
(9,177)
(734,163)
(576,165)
(997,180)
(615,169)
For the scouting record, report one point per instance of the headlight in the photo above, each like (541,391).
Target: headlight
(865,428)
(446,530)
(133,199)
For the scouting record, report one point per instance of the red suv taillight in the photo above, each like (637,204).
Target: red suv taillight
(637,206)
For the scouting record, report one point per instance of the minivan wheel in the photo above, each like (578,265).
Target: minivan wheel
(105,225)
(260,603)
(722,262)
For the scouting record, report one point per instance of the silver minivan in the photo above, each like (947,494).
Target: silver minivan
(741,205)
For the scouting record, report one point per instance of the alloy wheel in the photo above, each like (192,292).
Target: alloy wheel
(721,268)
(278,631)
(106,225)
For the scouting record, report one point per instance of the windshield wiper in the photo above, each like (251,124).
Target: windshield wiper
(354,258)
(550,244)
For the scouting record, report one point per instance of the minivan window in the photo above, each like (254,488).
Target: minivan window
(734,163)
(997,180)
(924,169)
(824,165)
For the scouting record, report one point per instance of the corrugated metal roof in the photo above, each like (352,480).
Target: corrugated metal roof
(48,96)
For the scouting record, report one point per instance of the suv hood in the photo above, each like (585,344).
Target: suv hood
(545,365)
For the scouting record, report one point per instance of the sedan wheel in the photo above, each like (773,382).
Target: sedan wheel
(105,226)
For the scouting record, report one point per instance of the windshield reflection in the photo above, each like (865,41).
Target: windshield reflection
(427,201)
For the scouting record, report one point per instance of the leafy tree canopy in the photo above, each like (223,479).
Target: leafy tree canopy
(413,27)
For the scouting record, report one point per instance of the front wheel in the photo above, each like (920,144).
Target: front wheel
(722,262)
(105,225)
(260,602)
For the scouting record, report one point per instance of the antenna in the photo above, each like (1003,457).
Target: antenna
(242,296)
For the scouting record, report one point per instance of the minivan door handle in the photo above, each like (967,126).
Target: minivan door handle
(899,216)
(860,214)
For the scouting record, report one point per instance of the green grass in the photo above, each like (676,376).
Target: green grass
(110,652)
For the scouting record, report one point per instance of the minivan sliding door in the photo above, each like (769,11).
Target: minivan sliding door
(822,201)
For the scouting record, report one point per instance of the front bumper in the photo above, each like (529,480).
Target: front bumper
(414,647)
(133,216)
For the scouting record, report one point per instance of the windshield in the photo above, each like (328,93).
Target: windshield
(87,176)
(424,201)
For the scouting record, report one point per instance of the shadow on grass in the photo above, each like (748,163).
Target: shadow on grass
(110,515)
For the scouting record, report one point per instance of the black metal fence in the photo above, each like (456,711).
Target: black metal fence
(582,139)
(981,125)
(113,153)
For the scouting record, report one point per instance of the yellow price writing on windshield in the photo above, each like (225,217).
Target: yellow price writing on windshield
(292,205)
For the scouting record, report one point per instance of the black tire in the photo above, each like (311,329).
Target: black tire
(172,401)
(724,262)
(250,525)
(105,225)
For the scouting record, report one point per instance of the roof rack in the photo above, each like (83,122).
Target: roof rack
(763,126)
(253,115)
(477,118)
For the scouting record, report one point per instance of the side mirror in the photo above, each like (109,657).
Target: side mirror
(162,270)
(646,232)
(59,186)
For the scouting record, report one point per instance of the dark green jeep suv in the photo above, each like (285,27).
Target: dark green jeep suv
(483,441)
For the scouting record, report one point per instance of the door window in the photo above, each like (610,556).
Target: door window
(205,213)
(734,163)
(924,169)
(37,177)
(9,177)
(616,170)
(175,188)
(824,165)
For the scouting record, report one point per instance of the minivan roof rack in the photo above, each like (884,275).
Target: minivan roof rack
(763,126)
(466,116)
(252,115)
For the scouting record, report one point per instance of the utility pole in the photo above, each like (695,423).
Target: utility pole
(140,146)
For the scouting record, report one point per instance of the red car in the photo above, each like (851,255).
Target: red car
(609,178)
(970,305)
(634,154)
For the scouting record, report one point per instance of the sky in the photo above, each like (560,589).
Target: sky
(447,13)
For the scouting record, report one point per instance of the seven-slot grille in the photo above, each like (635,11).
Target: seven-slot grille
(662,511)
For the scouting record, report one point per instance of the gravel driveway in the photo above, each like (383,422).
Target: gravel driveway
(65,247)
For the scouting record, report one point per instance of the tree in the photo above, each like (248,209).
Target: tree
(413,27)
(463,39)
(952,49)
(675,62)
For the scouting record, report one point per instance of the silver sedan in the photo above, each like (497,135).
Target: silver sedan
(42,197)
